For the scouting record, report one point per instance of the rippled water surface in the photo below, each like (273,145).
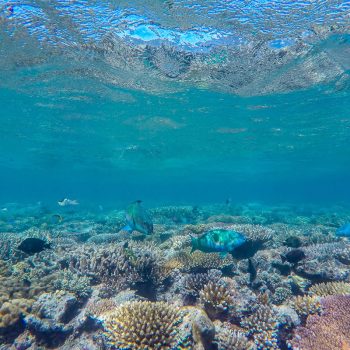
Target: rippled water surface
(175,100)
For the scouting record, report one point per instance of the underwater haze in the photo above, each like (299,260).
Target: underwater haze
(175,101)
(174,175)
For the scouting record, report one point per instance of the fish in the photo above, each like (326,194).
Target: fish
(218,240)
(138,219)
(293,242)
(343,231)
(66,202)
(56,219)
(33,245)
(293,256)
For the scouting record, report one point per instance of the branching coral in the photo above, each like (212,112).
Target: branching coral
(192,284)
(227,338)
(307,305)
(331,330)
(199,261)
(117,266)
(143,325)
(330,288)
(262,325)
(71,282)
(216,299)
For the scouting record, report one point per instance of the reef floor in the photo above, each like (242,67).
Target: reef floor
(96,286)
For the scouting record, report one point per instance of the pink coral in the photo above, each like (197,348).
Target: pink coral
(331,330)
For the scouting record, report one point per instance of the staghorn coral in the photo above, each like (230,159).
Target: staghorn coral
(330,288)
(331,330)
(143,325)
(321,262)
(216,299)
(8,246)
(71,282)
(192,284)
(117,266)
(262,325)
(227,338)
(254,232)
(307,305)
(199,261)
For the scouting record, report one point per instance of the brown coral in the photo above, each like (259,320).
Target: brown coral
(12,310)
(307,305)
(227,338)
(143,325)
(262,325)
(330,288)
(216,299)
(199,261)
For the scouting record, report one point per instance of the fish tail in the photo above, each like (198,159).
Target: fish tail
(127,228)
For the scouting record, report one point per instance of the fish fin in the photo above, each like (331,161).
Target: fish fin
(194,242)
(127,228)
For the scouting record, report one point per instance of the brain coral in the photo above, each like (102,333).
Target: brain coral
(143,325)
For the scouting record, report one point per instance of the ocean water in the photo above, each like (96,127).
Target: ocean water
(213,113)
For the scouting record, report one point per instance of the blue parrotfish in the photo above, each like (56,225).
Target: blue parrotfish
(138,219)
(218,240)
(343,231)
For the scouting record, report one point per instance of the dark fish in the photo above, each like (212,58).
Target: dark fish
(293,256)
(293,242)
(31,246)
(56,219)
(138,219)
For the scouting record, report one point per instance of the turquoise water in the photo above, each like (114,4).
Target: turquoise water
(174,102)
(174,174)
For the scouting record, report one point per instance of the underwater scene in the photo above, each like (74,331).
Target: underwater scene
(175,175)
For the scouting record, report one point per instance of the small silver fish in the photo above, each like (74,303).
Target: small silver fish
(66,202)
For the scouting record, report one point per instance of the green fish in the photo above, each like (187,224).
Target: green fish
(138,219)
(218,240)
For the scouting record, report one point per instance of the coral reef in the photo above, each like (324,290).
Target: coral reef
(144,325)
(199,261)
(263,326)
(228,338)
(101,288)
(331,330)
(307,305)
(192,284)
(71,282)
(216,300)
(12,309)
(330,288)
